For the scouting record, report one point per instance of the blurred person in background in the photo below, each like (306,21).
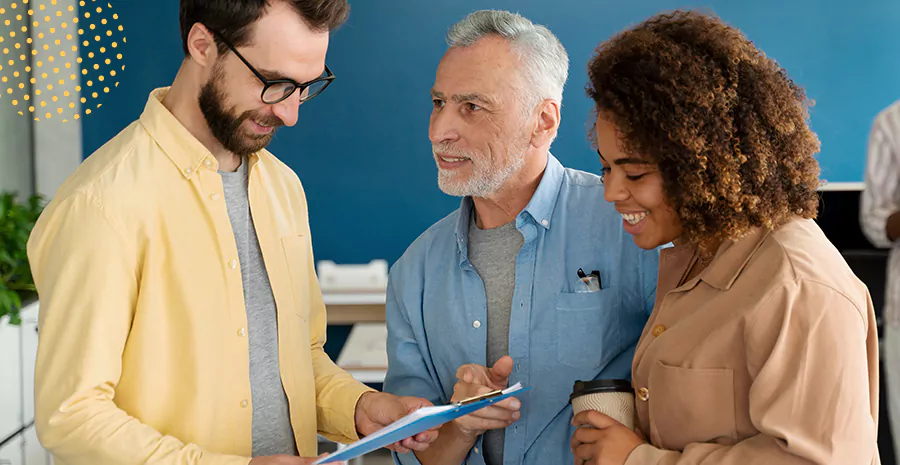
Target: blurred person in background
(880,218)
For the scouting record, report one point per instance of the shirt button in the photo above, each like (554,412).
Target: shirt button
(208,163)
(545,223)
(643,394)
(476,324)
(242,332)
(214,196)
(659,329)
(188,171)
(244,403)
(476,450)
(232,264)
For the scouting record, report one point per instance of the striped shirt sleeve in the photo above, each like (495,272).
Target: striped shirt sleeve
(880,197)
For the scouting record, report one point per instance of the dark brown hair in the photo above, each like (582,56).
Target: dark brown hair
(233,18)
(726,125)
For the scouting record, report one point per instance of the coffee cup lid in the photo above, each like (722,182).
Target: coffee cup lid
(582,388)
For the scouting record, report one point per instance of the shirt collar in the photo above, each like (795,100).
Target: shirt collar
(186,152)
(732,257)
(730,260)
(540,208)
(543,202)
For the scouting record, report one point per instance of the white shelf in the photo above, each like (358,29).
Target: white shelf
(354,298)
(368,376)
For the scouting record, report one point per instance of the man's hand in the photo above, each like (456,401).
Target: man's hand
(600,440)
(375,410)
(474,380)
(892,228)
(287,460)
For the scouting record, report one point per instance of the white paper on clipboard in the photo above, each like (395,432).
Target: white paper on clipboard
(421,420)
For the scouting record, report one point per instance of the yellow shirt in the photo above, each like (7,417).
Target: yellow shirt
(143,352)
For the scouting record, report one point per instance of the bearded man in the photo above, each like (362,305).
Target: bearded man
(532,280)
(181,320)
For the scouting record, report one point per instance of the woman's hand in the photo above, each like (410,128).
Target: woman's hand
(600,440)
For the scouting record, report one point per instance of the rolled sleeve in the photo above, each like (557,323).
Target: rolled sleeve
(408,366)
(408,372)
(879,198)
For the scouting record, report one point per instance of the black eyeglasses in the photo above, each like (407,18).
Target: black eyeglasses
(276,90)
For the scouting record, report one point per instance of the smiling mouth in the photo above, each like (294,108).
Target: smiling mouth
(451,159)
(634,218)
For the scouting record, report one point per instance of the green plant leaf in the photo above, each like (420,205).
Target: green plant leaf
(16,222)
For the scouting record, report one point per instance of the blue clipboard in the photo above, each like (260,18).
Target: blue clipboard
(421,420)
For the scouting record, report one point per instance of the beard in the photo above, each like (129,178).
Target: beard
(225,125)
(485,179)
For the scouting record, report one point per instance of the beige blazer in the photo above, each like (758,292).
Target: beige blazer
(769,356)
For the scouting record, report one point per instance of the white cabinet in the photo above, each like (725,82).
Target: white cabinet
(24,449)
(29,354)
(35,454)
(18,350)
(11,453)
(11,411)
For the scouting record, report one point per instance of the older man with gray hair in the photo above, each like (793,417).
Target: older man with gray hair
(492,294)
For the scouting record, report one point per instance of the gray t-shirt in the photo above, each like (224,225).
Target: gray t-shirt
(493,253)
(272,431)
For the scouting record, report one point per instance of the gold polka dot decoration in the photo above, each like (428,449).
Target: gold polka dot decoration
(58,61)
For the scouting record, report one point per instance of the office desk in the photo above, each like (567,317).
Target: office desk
(350,308)
(349,314)
(347,308)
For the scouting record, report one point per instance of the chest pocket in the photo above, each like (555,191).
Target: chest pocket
(587,333)
(296,253)
(691,405)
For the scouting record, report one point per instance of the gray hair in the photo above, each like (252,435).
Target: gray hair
(545,63)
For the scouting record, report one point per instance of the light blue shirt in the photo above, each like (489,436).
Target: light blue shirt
(436,311)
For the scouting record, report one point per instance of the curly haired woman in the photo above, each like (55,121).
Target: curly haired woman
(762,346)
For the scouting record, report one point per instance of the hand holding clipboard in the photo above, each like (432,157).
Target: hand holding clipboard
(421,420)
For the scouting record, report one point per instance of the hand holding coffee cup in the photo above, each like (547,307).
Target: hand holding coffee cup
(611,397)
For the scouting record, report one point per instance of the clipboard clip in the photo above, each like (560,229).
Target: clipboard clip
(472,400)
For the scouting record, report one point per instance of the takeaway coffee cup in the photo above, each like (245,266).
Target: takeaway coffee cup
(612,397)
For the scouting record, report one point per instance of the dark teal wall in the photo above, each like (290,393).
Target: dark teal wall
(362,150)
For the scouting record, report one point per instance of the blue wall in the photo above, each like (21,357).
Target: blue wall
(362,150)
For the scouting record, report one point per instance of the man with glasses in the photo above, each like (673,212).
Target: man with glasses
(181,318)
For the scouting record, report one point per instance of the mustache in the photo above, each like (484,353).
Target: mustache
(449,149)
(265,120)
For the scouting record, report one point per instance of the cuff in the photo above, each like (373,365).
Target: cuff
(342,417)
(646,454)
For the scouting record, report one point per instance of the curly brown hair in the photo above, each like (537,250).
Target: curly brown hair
(726,125)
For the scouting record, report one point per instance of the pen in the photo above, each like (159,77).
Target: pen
(481,397)
(588,279)
(599,281)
